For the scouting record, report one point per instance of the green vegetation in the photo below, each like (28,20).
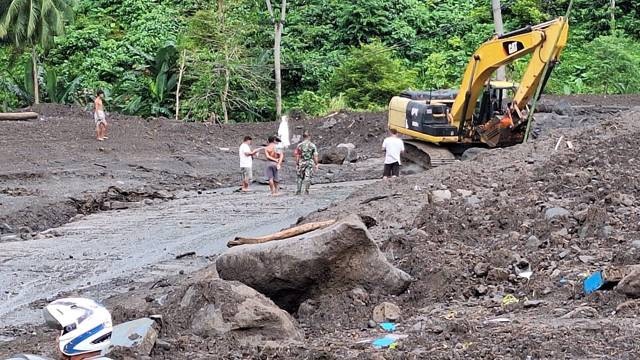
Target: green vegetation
(335,53)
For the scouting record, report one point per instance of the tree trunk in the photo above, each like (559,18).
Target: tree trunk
(278,25)
(36,85)
(497,19)
(613,16)
(224,96)
(182,66)
(277,67)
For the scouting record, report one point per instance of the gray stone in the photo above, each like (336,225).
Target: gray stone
(333,156)
(372,324)
(627,200)
(533,242)
(7,238)
(328,124)
(221,307)
(386,312)
(630,285)
(292,270)
(533,303)
(464,193)
(481,269)
(636,244)
(163,345)
(351,155)
(441,195)
(607,231)
(481,290)
(473,200)
(556,212)
(139,335)
(586,258)
(117,205)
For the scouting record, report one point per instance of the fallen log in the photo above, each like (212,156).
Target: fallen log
(281,235)
(18,116)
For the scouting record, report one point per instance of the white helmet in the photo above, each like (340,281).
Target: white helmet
(85,325)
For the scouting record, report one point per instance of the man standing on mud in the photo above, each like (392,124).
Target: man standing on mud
(306,162)
(275,163)
(246,162)
(393,147)
(99,117)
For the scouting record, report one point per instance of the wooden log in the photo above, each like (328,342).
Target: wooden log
(281,235)
(18,116)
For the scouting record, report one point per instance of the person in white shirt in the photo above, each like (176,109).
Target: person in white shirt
(393,147)
(246,162)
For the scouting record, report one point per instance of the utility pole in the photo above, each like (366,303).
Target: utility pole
(497,19)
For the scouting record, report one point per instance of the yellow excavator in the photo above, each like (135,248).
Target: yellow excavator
(482,113)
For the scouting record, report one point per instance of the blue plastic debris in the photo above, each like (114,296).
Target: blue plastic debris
(593,282)
(387,326)
(384,342)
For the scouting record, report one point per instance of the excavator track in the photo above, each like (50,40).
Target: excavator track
(427,155)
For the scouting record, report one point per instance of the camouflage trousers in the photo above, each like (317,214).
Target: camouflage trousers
(304,172)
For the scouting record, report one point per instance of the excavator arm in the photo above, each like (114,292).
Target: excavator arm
(539,40)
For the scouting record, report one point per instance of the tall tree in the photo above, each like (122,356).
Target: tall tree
(497,20)
(278,24)
(33,23)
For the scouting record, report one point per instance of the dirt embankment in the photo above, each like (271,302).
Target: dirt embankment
(54,169)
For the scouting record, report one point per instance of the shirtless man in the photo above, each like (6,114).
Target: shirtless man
(275,163)
(99,117)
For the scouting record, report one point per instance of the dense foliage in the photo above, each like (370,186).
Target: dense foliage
(336,53)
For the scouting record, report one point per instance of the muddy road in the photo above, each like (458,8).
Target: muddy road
(101,254)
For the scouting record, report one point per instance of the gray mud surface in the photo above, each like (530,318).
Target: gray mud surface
(454,309)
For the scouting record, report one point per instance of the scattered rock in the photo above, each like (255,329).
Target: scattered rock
(630,284)
(556,212)
(533,242)
(627,200)
(464,193)
(472,200)
(481,269)
(481,290)
(586,258)
(607,231)
(635,244)
(289,271)
(372,324)
(533,303)
(386,312)
(441,195)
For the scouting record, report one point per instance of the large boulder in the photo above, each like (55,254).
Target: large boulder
(205,305)
(351,154)
(333,155)
(292,270)
(339,154)
(219,307)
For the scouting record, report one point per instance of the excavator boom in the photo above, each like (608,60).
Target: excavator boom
(501,50)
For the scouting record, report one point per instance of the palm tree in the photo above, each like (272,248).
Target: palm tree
(29,23)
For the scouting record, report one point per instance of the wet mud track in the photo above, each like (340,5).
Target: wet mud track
(141,244)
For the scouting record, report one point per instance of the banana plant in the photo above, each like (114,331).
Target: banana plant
(57,91)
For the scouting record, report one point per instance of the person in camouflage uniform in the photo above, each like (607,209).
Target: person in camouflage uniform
(306,161)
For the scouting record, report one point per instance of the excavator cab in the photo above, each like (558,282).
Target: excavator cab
(494,101)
